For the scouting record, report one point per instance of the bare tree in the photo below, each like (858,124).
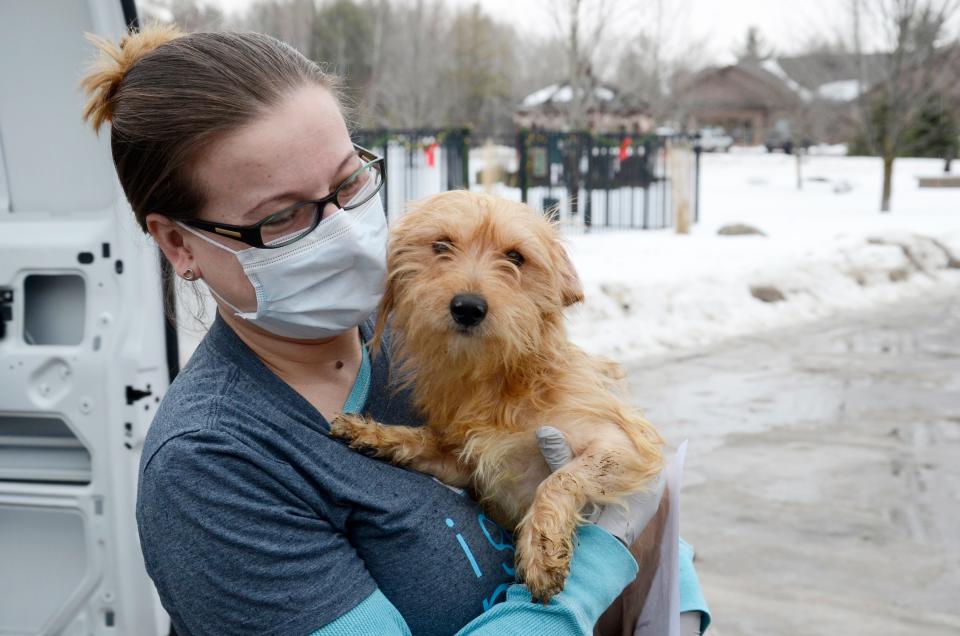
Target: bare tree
(189,15)
(754,47)
(584,27)
(409,89)
(287,20)
(919,62)
(479,71)
(659,55)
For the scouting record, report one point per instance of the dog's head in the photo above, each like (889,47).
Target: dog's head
(468,272)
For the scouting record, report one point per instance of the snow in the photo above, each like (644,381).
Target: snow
(828,250)
(604,94)
(541,96)
(840,91)
(773,67)
(561,94)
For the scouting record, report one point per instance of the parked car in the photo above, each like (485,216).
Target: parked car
(714,140)
(778,140)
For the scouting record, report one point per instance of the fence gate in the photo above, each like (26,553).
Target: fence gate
(596,181)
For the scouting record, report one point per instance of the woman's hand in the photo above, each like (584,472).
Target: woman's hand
(624,522)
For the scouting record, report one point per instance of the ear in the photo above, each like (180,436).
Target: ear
(571,289)
(169,237)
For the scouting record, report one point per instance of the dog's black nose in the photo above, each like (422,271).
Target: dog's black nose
(468,309)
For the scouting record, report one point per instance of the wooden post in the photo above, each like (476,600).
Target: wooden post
(489,174)
(799,153)
(679,160)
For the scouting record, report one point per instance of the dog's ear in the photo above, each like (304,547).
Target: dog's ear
(571,289)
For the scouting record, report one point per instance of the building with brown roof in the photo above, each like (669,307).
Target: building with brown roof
(608,110)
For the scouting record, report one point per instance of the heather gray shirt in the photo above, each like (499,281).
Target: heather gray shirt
(254,521)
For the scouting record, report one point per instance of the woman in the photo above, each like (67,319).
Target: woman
(234,154)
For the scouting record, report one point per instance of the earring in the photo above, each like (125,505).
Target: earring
(189,275)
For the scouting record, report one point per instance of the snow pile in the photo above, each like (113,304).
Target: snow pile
(828,250)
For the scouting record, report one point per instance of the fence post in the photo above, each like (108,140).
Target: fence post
(465,150)
(697,151)
(649,163)
(522,163)
(385,191)
(678,165)
(586,144)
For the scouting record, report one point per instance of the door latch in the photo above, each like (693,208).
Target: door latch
(6,310)
(134,394)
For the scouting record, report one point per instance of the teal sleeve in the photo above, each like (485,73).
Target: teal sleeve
(691,594)
(374,615)
(601,568)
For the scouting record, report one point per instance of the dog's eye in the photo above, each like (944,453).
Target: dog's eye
(515,257)
(441,247)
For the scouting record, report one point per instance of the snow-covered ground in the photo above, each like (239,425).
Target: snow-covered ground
(828,249)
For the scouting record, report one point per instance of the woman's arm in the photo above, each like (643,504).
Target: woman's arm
(588,591)
(601,568)
(232,551)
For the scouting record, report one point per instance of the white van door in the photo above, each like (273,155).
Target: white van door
(84,353)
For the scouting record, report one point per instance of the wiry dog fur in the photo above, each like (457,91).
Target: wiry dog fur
(485,390)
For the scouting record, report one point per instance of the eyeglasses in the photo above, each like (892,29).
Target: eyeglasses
(296,221)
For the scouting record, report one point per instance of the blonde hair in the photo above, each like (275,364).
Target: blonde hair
(102,81)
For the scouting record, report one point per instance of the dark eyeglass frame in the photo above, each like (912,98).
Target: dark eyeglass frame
(250,234)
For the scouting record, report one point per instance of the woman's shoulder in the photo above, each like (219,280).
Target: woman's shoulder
(223,387)
(200,404)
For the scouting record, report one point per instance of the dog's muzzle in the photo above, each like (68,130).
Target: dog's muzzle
(468,310)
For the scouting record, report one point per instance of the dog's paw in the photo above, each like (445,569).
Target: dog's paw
(543,561)
(358,431)
(546,582)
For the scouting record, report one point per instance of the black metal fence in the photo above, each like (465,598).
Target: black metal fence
(419,163)
(584,181)
(596,181)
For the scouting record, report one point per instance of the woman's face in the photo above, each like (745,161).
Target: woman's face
(297,151)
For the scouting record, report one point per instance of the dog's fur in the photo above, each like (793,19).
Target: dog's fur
(485,390)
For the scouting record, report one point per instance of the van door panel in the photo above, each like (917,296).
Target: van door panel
(83,355)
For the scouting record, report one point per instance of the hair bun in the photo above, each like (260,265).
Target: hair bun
(102,81)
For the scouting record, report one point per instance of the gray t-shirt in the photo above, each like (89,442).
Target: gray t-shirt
(254,521)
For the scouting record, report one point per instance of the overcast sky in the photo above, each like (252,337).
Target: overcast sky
(722,24)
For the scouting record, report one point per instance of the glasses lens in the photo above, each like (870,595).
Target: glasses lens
(288,226)
(361,187)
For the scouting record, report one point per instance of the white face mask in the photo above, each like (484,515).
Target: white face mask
(322,285)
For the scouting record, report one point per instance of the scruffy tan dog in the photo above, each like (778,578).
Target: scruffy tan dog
(475,296)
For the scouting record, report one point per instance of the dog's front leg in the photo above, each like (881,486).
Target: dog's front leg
(545,534)
(413,446)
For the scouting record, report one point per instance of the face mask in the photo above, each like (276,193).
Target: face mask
(322,285)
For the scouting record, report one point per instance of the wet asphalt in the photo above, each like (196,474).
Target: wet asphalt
(822,483)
